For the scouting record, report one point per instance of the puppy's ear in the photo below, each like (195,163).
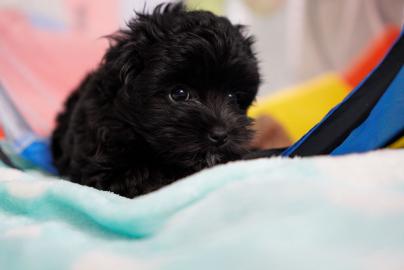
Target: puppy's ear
(129,47)
(248,39)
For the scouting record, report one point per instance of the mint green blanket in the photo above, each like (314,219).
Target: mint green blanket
(313,213)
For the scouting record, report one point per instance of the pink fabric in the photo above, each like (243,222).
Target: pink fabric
(40,67)
(94,18)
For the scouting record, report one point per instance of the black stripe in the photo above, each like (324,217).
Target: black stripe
(394,139)
(4,158)
(352,112)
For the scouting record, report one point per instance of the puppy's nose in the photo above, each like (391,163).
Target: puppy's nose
(218,136)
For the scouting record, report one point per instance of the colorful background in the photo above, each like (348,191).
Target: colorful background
(312,52)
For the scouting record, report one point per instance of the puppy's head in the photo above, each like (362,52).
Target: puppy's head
(187,79)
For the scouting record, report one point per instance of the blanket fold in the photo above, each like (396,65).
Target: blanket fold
(312,213)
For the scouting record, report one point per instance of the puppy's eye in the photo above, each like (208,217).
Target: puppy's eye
(232,97)
(179,94)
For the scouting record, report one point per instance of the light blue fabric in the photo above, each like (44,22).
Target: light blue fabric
(313,213)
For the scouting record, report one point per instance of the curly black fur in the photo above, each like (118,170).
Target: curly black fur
(120,131)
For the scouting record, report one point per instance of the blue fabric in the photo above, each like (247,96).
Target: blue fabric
(385,121)
(289,151)
(38,153)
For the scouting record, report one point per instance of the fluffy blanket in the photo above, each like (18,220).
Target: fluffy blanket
(312,213)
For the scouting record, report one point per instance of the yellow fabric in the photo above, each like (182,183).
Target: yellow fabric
(398,144)
(299,108)
(216,6)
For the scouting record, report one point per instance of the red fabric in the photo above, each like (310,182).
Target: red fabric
(371,56)
(40,67)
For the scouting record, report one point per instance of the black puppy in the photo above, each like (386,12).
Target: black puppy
(168,99)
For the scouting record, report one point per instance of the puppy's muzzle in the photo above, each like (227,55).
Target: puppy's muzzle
(218,136)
